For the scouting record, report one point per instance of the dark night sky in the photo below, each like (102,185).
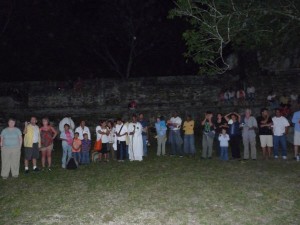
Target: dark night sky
(59,39)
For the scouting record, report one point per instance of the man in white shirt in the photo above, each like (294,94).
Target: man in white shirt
(83,129)
(121,133)
(280,129)
(67,120)
(175,138)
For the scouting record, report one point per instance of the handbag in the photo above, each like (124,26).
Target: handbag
(98,145)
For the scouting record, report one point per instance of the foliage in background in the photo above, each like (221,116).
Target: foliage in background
(221,26)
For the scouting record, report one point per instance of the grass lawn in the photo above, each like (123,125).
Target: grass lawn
(159,190)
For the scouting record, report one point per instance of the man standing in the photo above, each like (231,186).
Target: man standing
(249,125)
(175,139)
(280,129)
(67,120)
(265,132)
(32,143)
(135,140)
(144,133)
(121,133)
(161,131)
(296,121)
(83,129)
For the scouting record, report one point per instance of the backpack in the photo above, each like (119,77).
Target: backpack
(72,164)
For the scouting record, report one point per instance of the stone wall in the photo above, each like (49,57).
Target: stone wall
(109,98)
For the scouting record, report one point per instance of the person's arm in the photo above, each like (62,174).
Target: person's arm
(203,121)
(54,133)
(25,128)
(2,141)
(20,140)
(227,117)
(238,116)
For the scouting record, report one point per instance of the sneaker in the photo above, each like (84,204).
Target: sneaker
(36,169)
(284,157)
(49,169)
(26,171)
(276,157)
(4,178)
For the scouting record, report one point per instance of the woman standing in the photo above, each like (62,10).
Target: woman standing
(220,124)
(48,134)
(11,142)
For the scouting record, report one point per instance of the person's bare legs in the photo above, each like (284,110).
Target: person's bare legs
(49,157)
(26,162)
(296,150)
(269,151)
(44,154)
(264,152)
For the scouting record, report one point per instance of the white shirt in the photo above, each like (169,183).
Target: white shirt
(36,134)
(104,137)
(66,120)
(279,125)
(82,131)
(176,121)
(270,97)
(294,97)
(250,90)
(224,139)
(123,131)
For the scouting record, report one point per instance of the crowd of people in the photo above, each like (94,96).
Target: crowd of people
(128,140)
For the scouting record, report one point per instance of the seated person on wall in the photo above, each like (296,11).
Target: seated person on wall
(250,93)
(284,100)
(240,95)
(221,97)
(294,98)
(272,100)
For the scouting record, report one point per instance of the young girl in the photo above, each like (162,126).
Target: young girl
(76,147)
(224,143)
(48,134)
(85,149)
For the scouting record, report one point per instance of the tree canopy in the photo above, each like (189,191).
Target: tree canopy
(218,27)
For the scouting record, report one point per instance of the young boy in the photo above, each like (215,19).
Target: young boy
(224,139)
(76,147)
(85,149)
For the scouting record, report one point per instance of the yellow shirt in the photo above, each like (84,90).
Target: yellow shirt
(188,127)
(29,136)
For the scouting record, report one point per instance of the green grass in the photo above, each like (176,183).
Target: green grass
(159,190)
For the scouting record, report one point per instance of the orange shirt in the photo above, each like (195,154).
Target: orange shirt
(76,144)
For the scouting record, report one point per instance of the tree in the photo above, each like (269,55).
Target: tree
(126,33)
(222,26)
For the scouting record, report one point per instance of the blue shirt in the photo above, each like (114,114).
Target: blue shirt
(160,130)
(144,124)
(296,120)
(11,137)
(234,129)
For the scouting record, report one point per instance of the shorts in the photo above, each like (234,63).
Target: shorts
(104,149)
(33,152)
(50,148)
(297,138)
(266,140)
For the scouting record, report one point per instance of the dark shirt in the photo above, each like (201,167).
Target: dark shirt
(234,129)
(86,145)
(207,127)
(217,125)
(144,124)
(264,130)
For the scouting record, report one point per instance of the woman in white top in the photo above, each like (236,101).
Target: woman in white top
(103,133)
(111,139)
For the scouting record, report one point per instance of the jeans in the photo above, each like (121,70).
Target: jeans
(189,144)
(176,142)
(122,153)
(145,150)
(280,140)
(85,157)
(67,154)
(76,156)
(224,153)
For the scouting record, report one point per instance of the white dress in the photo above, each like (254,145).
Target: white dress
(135,147)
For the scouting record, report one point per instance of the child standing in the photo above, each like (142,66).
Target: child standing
(85,149)
(224,139)
(76,147)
